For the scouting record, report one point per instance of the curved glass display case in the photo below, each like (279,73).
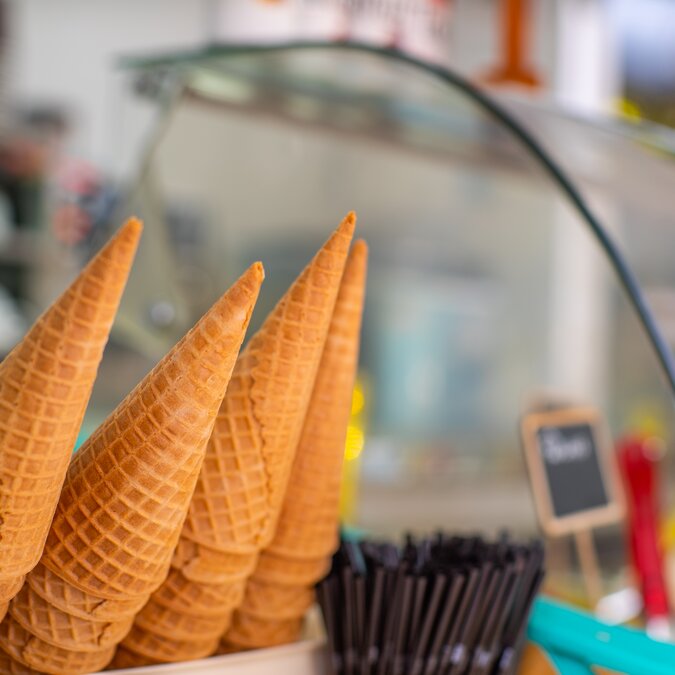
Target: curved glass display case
(486,289)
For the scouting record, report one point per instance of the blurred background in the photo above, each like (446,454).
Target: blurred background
(486,291)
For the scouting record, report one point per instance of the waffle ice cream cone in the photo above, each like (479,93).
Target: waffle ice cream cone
(60,628)
(182,595)
(27,650)
(280,590)
(243,481)
(8,589)
(63,595)
(290,571)
(253,632)
(239,493)
(142,647)
(8,666)
(124,659)
(276,601)
(127,490)
(176,624)
(124,500)
(45,384)
(203,564)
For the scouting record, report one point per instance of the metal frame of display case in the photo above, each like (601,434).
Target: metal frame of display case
(498,112)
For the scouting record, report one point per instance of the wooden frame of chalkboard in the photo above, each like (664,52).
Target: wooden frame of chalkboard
(599,498)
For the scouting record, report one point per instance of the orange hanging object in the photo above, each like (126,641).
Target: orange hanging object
(515,22)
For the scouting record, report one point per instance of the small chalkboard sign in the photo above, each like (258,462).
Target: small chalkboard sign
(575,480)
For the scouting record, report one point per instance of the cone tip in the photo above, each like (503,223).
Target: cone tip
(348,224)
(247,287)
(257,270)
(360,248)
(132,228)
(122,246)
(357,263)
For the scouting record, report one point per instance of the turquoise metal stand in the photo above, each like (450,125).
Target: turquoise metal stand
(575,641)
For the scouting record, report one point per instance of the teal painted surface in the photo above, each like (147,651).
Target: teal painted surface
(576,640)
(81,438)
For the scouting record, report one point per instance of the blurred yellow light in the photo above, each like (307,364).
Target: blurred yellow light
(668,533)
(646,419)
(629,109)
(358,400)
(353,443)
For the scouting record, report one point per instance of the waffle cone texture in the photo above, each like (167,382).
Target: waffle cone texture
(281,588)
(45,384)
(243,482)
(124,501)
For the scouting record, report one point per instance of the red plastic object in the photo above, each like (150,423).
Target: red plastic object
(638,463)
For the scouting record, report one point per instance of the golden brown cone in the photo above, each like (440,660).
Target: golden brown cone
(124,659)
(240,489)
(275,601)
(283,570)
(45,384)
(125,498)
(308,525)
(149,648)
(179,625)
(252,632)
(8,666)
(62,629)
(141,464)
(203,564)
(30,651)
(182,595)
(250,454)
(8,589)
(63,595)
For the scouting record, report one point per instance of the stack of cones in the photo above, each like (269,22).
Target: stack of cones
(124,501)
(282,587)
(45,384)
(240,491)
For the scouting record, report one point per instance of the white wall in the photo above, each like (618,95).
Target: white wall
(64,52)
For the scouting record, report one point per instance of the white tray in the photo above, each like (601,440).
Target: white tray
(308,657)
